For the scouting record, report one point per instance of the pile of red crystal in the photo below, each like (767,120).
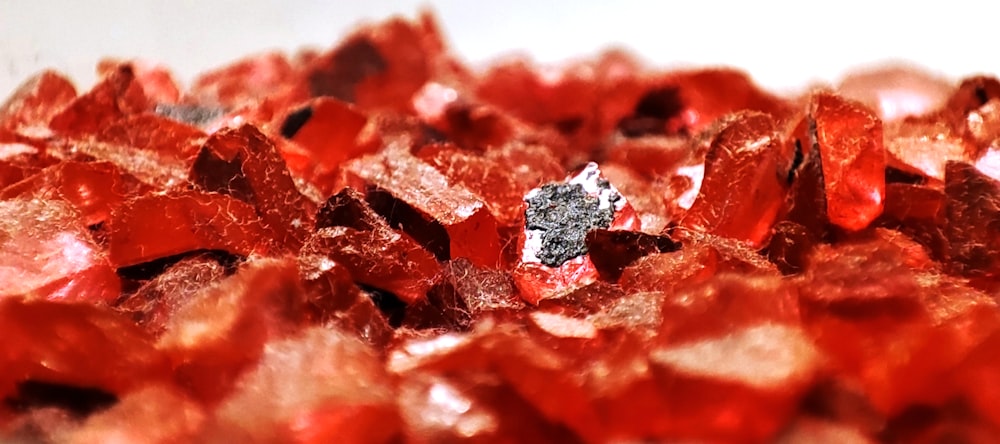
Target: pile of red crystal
(377,244)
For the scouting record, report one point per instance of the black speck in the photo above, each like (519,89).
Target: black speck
(796,162)
(391,306)
(80,401)
(565,213)
(981,95)
(294,122)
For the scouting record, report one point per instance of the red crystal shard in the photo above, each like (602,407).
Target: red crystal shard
(327,129)
(554,259)
(75,345)
(46,253)
(156,80)
(117,95)
(245,82)
(463,294)
(162,225)
(755,374)
(220,332)
(489,175)
(742,192)
(688,102)
(155,302)
(94,189)
(244,164)
(351,234)
(177,418)
(380,67)
(321,385)
(849,137)
(447,219)
(35,102)
(972,211)
(923,145)
(154,133)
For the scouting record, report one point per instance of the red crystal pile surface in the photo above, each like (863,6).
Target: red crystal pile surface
(376,244)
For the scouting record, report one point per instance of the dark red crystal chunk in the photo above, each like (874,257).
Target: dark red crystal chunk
(245,164)
(163,225)
(445,218)
(350,233)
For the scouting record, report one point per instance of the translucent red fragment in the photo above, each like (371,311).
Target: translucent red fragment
(316,386)
(328,134)
(971,209)
(151,132)
(29,109)
(753,394)
(157,300)
(117,95)
(742,181)
(244,164)
(156,80)
(176,418)
(687,102)
(46,253)
(789,245)
(333,299)
(488,174)
(613,250)
(77,345)
(94,189)
(381,66)
(923,145)
(351,234)
(162,225)
(464,293)
(849,137)
(220,332)
(445,218)
(244,82)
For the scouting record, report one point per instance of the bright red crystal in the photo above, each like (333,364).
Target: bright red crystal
(45,252)
(850,143)
(159,226)
(375,243)
(743,190)
(244,164)
(116,96)
(447,219)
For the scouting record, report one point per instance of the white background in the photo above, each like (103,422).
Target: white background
(784,45)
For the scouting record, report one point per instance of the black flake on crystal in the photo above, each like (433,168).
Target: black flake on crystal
(565,213)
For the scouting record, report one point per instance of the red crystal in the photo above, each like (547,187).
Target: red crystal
(350,233)
(447,219)
(742,181)
(159,226)
(46,253)
(849,137)
(35,102)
